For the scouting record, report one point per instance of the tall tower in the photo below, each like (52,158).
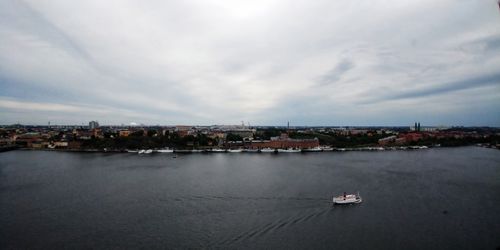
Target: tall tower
(93,124)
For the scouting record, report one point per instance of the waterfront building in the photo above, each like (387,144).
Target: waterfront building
(411,137)
(283,141)
(75,145)
(387,140)
(27,139)
(61,144)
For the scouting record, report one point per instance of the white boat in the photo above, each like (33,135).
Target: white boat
(267,150)
(288,150)
(132,151)
(347,199)
(142,151)
(327,148)
(166,150)
(218,150)
(315,149)
(249,150)
(148,151)
(235,150)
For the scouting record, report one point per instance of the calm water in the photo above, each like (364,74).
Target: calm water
(446,198)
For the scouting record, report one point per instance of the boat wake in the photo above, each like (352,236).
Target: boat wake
(268,228)
(230,198)
(298,210)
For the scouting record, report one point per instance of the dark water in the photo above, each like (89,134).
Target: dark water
(445,198)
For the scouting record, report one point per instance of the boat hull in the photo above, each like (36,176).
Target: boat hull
(288,150)
(251,151)
(347,199)
(346,202)
(267,150)
(218,151)
(317,149)
(165,150)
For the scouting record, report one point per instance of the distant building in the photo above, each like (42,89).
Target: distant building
(411,137)
(416,127)
(93,125)
(97,133)
(124,133)
(185,130)
(244,133)
(387,140)
(75,145)
(27,139)
(216,135)
(283,141)
(61,144)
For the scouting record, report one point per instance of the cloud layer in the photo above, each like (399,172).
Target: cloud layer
(266,62)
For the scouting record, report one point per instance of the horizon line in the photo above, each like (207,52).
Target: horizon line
(280,126)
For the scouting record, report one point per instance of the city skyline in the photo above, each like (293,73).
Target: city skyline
(322,63)
(241,125)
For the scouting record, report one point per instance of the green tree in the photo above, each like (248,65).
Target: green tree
(233,137)
(152,132)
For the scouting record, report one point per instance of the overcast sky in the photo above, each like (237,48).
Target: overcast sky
(266,62)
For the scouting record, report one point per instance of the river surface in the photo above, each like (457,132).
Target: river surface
(444,198)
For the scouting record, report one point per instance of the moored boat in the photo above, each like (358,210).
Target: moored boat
(288,150)
(166,150)
(315,149)
(267,150)
(235,150)
(218,150)
(249,150)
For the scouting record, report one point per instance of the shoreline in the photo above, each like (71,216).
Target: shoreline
(276,151)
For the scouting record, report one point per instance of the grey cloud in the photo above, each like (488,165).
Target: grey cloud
(21,16)
(491,43)
(488,45)
(439,89)
(337,72)
(262,61)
